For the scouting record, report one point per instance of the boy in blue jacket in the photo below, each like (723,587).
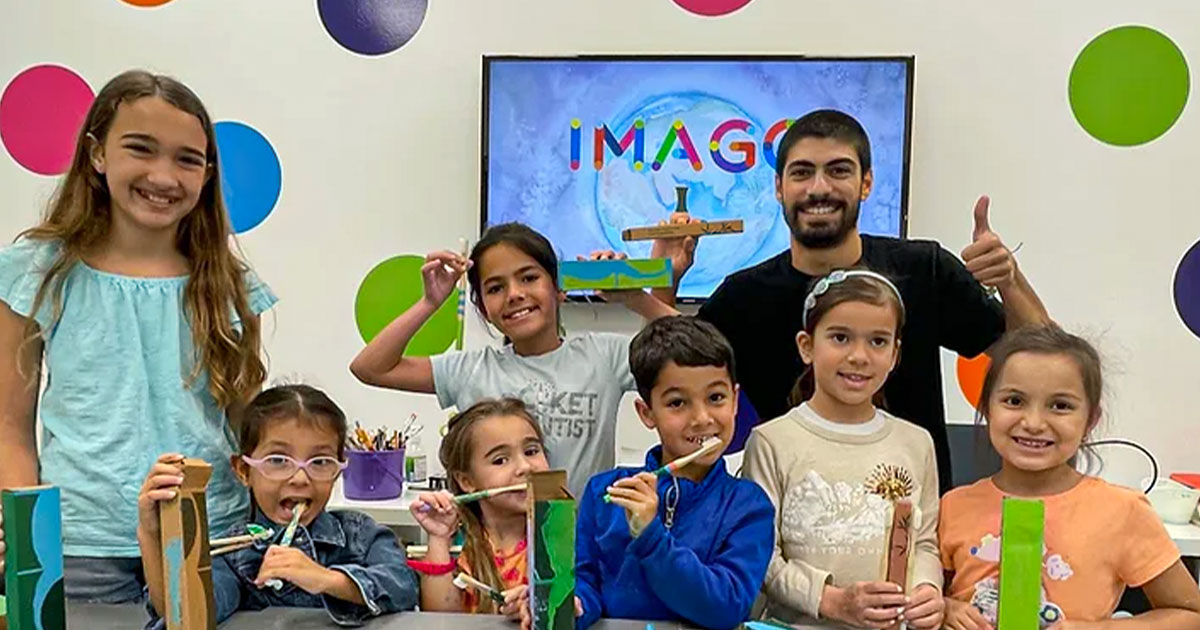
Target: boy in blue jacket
(693,546)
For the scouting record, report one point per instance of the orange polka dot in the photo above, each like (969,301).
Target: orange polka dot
(970,377)
(146,3)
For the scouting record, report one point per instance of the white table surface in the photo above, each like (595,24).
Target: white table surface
(390,512)
(1187,538)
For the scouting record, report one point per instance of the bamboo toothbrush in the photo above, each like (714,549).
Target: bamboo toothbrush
(462,300)
(464,581)
(670,469)
(482,494)
(220,546)
(288,534)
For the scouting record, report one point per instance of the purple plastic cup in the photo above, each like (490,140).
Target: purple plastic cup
(374,475)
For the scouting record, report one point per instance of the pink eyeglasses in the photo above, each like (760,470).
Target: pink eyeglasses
(282,467)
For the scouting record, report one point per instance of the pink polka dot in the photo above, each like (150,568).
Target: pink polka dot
(41,112)
(711,8)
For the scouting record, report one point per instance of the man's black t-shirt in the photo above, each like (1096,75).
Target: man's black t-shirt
(759,310)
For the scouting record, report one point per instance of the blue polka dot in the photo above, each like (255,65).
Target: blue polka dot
(251,176)
(372,27)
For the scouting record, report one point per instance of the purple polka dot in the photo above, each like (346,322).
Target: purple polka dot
(372,27)
(1187,289)
(41,112)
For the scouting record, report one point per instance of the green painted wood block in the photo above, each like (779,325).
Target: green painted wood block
(635,273)
(1022,529)
(551,549)
(33,559)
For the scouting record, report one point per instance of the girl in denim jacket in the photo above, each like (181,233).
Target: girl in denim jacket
(292,440)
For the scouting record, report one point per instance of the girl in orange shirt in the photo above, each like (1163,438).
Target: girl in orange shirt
(1041,399)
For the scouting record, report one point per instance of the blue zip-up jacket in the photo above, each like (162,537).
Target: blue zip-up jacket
(346,541)
(706,569)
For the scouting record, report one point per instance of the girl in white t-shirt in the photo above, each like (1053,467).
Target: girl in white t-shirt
(572,384)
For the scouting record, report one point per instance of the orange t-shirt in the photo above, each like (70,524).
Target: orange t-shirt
(510,565)
(1098,539)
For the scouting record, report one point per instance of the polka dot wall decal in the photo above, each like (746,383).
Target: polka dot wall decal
(146,3)
(970,377)
(251,176)
(41,111)
(390,289)
(1187,289)
(372,27)
(711,8)
(1128,85)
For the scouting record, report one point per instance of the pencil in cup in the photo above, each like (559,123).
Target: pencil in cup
(673,467)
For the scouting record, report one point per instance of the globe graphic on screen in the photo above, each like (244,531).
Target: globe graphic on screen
(629,196)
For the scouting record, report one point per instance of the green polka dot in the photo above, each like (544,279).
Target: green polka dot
(391,288)
(1129,85)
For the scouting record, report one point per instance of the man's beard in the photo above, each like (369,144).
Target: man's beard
(827,235)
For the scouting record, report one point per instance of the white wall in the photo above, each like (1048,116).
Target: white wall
(380,155)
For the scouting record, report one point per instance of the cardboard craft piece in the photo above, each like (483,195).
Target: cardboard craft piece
(187,565)
(630,273)
(704,228)
(1022,528)
(33,559)
(899,536)
(551,551)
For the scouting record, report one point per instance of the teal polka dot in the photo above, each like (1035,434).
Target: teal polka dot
(1129,85)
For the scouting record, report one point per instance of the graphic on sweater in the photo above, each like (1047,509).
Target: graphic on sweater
(987,591)
(829,517)
(890,482)
(562,414)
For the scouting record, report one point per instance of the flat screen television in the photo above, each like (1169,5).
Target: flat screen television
(581,148)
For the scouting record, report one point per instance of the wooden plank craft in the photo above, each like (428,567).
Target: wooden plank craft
(1022,528)
(631,273)
(703,228)
(898,537)
(551,549)
(33,559)
(187,565)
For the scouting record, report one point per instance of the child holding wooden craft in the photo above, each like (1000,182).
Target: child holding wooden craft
(292,440)
(1040,400)
(572,384)
(840,471)
(493,444)
(145,317)
(693,545)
